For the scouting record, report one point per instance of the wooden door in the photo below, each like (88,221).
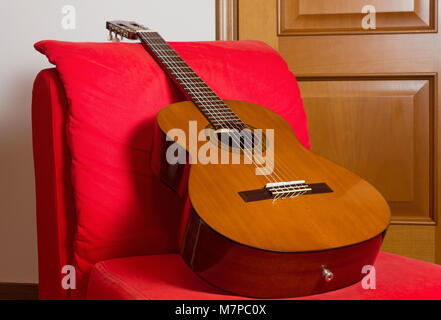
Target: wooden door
(371,96)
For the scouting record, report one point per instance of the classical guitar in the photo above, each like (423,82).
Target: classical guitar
(285,223)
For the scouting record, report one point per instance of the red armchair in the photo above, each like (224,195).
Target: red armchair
(96,188)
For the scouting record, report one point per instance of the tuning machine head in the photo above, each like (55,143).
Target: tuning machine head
(113,36)
(125,29)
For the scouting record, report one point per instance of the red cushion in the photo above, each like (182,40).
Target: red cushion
(168,277)
(114,92)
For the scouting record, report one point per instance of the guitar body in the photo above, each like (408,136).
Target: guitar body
(267,249)
(306,227)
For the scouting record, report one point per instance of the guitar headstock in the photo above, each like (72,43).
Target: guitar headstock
(126,29)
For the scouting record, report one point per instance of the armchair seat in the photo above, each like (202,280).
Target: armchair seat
(168,277)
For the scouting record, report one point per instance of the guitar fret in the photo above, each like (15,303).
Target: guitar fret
(185,78)
(232,121)
(210,101)
(207,103)
(181,73)
(160,44)
(182,68)
(186,84)
(190,76)
(213,105)
(229,116)
(164,50)
(180,64)
(209,108)
(196,87)
(177,59)
(220,117)
(221,104)
(216,104)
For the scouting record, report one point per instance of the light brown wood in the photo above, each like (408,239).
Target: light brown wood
(411,241)
(226,19)
(354,212)
(313,17)
(258,21)
(381,119)
(324,56)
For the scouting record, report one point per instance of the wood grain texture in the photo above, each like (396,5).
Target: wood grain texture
(412,241)
(354,212)
(258,20)
(318,17)
(400,161)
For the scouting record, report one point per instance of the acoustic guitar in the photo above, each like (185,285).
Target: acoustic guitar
(284,223)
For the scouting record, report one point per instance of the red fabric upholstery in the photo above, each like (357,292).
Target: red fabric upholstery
(114,92)
(168,277)
(56,222)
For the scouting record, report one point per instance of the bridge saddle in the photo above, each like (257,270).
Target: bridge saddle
(283,190)
(284,184)
(287,189)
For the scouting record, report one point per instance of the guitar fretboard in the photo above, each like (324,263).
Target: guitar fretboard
(212,107)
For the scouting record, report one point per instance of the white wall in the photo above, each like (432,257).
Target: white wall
(24,22)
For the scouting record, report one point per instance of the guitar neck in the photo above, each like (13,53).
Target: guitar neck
(208,102)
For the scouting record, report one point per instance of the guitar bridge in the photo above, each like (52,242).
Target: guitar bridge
(284,190)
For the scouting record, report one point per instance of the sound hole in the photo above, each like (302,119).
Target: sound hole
(236,139)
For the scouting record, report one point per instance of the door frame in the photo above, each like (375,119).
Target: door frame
(227,18)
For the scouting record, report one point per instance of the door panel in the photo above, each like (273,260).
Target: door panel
(345,16)
(371,97)
(380,128)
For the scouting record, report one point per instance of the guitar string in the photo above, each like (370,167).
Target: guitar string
(190,85)
(294,189)
(188,82)
(208,105)
(289,193)
(195,90)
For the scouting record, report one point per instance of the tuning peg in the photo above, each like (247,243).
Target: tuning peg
(110,36)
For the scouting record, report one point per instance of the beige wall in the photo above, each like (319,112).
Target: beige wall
(24,22)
